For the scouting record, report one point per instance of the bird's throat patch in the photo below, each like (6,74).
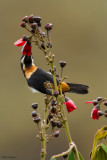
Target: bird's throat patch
(29,71)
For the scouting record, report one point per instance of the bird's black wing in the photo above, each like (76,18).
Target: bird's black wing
(38,79)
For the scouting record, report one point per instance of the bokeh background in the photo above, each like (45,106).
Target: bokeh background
(79,37)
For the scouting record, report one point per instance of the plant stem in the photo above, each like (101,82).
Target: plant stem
(43,135)
(65,123)
(54,77)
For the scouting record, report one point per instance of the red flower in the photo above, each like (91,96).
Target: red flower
(88,102)
(69,104)
(95,114)
(20,42)
(26,49)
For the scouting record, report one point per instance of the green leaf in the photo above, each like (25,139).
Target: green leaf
(71,156)
(101,153)
(52,159)
(80,156)
(104,147)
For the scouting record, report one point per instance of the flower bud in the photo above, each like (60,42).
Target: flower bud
(31,19)
(105,103)
(23,24)
(25,38)
(59,124)
(42,46)
(56,134)
(37,19)
(25,19)
(34,114)
(100,113)
(97,107)
(48,26)
(36,119)
(95,102)
(53,103)
(39,24)
(99,98)
(54,123)
(34,105)
(105,114)
(49,45)
(50,116)
(55,93)
(34,25)
(62,64)
(43,34)
(53,109)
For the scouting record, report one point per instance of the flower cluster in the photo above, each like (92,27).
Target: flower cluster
(33,25)
(96,111)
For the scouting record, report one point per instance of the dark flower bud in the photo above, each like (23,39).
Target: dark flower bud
(25,38)
(39,24)
(100,113)
(55,93)
(65,156)
(59,124)
(97,107)
(49,45)
(42,46)
(50,116)
(62,63)
(53,103)
(43,34)
(25,19)
(56,134)
(34,114)
(105,103)
(99,98)
(37,19)
(54,123)
(106,111)
(34,25)
(95,102)
(53,109)
(31,19)
(105,114)
(23,24)
(34,105)
(48,26)
(36,119)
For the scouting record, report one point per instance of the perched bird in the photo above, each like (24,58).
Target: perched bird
(36,78)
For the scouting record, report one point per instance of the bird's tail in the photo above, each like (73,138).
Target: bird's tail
(74,88)
(77,88)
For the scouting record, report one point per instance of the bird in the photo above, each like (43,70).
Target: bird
(37,77)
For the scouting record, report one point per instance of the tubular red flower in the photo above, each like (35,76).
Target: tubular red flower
(69,105)
(26,49)
(89,102)
(95,114)
(20,42)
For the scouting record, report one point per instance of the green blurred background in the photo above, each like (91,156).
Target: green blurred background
(79,37)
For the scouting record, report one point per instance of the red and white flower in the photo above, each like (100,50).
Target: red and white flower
(69,104)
